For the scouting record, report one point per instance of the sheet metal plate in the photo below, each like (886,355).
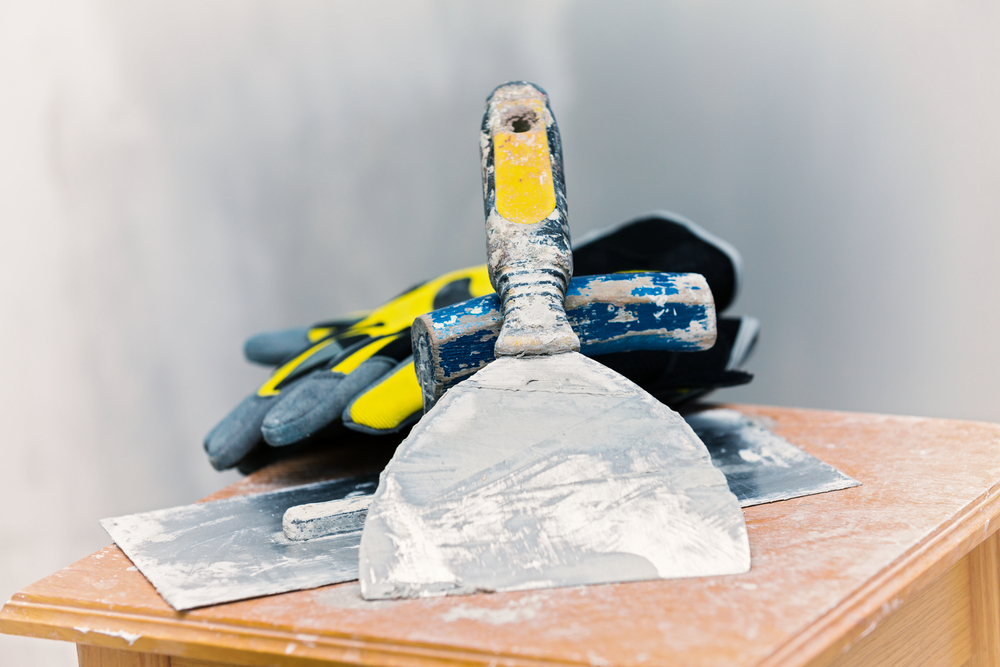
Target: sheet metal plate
(232,549)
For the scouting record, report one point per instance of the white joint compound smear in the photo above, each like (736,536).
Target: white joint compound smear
(546,472)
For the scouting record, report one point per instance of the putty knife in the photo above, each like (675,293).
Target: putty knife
(545,468)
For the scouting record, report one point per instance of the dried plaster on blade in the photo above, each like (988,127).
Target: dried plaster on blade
(760,466)
(234,548)
(553,490)
(574,474)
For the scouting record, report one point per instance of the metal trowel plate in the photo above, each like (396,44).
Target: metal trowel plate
(232,549)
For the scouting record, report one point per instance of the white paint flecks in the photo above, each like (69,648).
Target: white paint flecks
(129,637)
(597,660)
(523,610)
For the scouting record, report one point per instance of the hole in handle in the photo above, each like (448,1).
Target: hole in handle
(520,120)
(520,125)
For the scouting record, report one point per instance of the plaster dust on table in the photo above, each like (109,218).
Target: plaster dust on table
(514,611)
(347,596)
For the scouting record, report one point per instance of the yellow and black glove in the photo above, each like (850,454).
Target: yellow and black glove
(359,369)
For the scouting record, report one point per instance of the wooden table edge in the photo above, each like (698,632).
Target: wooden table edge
(817,644)
(242,645)
(837,630)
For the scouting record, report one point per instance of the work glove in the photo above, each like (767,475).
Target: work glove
(358,367)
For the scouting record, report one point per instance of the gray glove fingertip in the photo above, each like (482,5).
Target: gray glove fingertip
(317,400)
(238,433)
(273,347)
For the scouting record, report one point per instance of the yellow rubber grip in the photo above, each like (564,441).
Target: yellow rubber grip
(525,193)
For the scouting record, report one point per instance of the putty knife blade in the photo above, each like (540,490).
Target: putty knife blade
(547,471)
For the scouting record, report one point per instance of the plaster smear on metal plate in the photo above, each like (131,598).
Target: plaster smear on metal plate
(547,472)
(234,548)
(762,467)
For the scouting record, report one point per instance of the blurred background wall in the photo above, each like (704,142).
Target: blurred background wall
(178,175)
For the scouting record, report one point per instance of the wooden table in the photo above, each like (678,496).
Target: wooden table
(902,570)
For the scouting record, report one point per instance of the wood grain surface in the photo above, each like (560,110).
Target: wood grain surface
(984,593)
(830,572)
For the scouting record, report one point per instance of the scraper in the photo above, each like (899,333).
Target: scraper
(545,468)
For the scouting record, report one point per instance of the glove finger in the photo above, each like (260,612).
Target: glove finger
(322,398)
(316,400)
(236,435)
(661,241)
(312,358)
(390,404)
(273,347)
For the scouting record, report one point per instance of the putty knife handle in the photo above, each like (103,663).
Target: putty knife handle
(527,228)
(619,312)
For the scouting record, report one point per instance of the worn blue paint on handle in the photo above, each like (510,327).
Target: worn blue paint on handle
(600,333)
(610,313)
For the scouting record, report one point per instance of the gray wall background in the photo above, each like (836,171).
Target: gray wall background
(178,175)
